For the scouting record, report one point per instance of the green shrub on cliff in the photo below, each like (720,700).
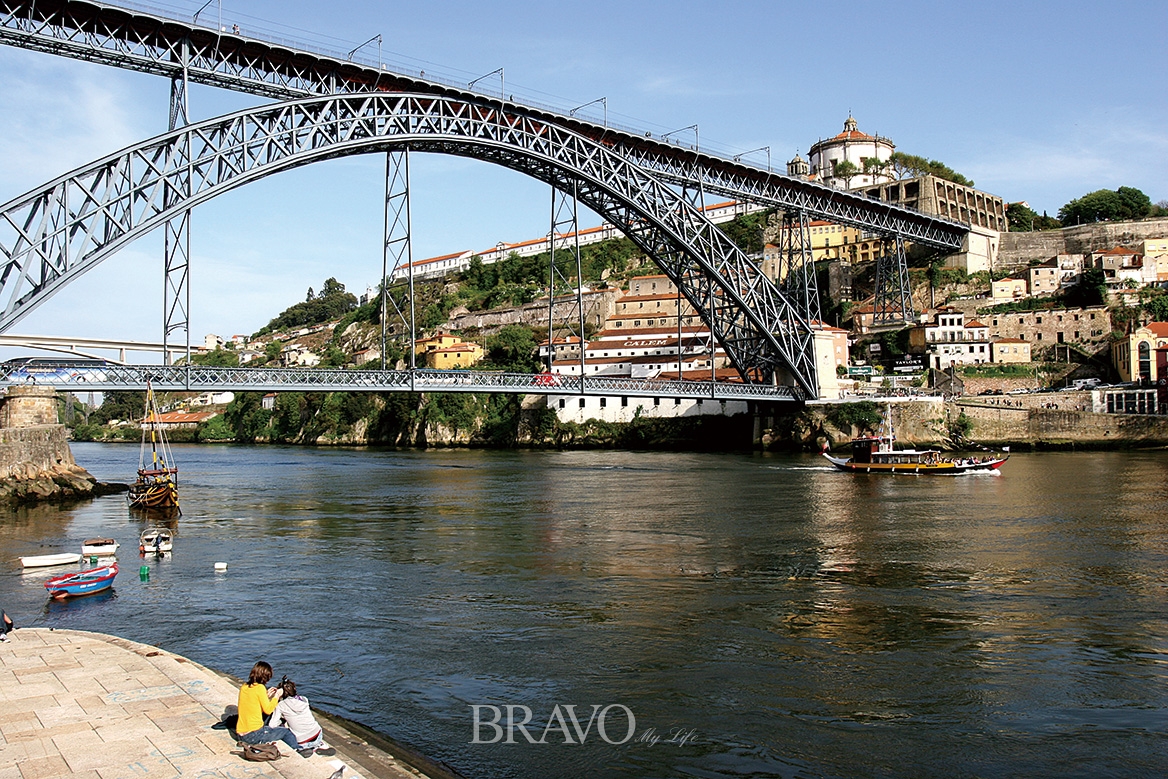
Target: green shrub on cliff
(864,415)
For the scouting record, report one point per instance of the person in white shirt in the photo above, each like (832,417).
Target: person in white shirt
(293,712)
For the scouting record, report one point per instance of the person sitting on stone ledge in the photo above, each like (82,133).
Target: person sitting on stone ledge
(255,700)
(294,713)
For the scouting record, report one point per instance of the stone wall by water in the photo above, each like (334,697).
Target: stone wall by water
(35,460)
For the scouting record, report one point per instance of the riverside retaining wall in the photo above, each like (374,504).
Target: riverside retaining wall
(1048,427)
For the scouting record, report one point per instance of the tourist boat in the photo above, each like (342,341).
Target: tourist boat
(69,585)
(99,547)
(876,454)
(157,483)
(46,560)
(155,540)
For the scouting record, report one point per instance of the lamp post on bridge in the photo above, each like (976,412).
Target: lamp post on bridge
(767,149)
(502,86)
(693,127)
(377,38)
(602,100)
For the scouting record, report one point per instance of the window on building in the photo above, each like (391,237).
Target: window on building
(561,402)
(1145,352)
(581,402)
(1038,337)
(603,402)
(1060,337)
(1037,320)
(656,401)
(624,402)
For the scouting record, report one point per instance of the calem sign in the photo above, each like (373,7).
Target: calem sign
(563,720)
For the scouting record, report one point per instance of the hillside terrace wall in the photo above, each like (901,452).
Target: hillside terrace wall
(598,307)
(1017,250)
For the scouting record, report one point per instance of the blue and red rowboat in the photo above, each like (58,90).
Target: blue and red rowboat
(70,585)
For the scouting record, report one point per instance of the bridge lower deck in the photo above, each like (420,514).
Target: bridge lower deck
(198,378)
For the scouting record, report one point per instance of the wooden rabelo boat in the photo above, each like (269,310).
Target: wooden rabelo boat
(877,454)
(157,483)
(70,585)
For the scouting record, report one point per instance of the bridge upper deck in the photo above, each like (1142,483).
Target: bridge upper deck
(151,43)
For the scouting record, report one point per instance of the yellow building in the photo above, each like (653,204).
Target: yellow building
(1134,355)
(828,242)
(1008,289)
(445,351)
(1009,350)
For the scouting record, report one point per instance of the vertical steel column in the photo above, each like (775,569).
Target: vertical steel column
(565,233)
(398,247)
(892,304)
(796,275)
(176,285)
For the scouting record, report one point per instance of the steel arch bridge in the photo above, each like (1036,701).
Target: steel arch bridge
(148,42)
(54,234)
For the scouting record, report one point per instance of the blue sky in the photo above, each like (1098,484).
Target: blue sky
(1034,101)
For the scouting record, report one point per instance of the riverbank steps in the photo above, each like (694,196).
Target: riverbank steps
(94,706)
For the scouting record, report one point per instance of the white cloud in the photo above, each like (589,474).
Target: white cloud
(58,116)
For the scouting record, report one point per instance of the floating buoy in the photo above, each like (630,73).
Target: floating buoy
(220,566)
(144,572)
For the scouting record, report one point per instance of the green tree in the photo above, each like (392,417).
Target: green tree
(909,165)
(745,230)
(1103,205)
(846,170)
(120,404)
(1157,308)
(220,358)
(513,348)
(1020,217)
(332,303)
(246,416)
(1090,291)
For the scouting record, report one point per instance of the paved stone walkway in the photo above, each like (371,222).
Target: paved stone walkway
(92,706)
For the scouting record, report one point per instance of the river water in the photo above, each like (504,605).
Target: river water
(757,615)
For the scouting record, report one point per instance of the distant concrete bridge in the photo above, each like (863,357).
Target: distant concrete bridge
(89,347)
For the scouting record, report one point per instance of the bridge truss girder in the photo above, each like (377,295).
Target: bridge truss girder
(54,234)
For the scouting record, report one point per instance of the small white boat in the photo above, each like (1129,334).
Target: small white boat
(46,560)
(157,540)
(99,547)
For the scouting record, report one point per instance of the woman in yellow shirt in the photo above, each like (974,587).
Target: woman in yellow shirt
(256,700)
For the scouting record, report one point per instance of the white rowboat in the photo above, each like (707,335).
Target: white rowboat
(45,560)
(99,547)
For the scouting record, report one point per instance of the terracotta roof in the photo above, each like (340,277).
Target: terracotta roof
(185,417)
(1117,250)
(1159,329)
(974,323)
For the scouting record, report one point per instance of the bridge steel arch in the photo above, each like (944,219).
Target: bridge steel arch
(148,42)
(52,235)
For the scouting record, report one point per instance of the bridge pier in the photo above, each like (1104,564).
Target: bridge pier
(36,463)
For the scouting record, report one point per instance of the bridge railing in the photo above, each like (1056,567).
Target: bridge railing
(105,377)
